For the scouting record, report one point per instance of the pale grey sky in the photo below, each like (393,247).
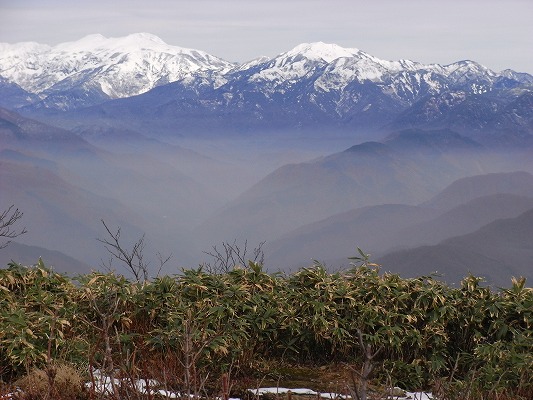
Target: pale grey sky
(496,33)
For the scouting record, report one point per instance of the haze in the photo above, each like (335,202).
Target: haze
(315,152)
(498,34)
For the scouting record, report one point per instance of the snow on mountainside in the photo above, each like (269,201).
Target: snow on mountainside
(121,67)
(338,80)
(301,61)
(136,63)
(319,51)
(313,85)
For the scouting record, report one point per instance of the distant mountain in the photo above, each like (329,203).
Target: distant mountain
(497,251)
(14,128)
(13,96)
(383,228)
(96,69)
(98,128)
(312,87)
(470,188)
(325,87)
(69,193)
(332,240)
(370,173)
(496,117)
(29,255)
(59,215)
(464,218)
(66,185)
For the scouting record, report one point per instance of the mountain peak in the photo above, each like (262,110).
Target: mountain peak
(110,67)
(468,66)
(145,36)
(130,42)
(321,51)
(21,49)
(310,83)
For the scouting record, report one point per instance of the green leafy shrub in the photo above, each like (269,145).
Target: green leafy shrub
(198,324)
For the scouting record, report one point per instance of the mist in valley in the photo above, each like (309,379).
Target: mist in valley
(144,186)
(309,154)
(307,198)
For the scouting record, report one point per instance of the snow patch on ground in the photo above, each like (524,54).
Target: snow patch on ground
(309,392)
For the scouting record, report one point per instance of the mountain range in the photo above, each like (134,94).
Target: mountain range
(496,251)
(316,151)
(413,239)
(313,87)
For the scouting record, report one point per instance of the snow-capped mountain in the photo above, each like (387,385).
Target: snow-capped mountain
(112,67)
(314,85)
(328,68)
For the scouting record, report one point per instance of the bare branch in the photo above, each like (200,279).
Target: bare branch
(162,262)
(8,218)
(133,259)
(231,255)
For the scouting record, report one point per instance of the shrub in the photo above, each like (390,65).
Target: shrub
(58,382)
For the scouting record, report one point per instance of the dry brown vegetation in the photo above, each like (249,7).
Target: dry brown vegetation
(357,331)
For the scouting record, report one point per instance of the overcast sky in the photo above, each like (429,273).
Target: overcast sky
(496,33)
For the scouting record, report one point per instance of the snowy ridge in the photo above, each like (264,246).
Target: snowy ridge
(337,81)
(331,68)
(120,67)
(319,51)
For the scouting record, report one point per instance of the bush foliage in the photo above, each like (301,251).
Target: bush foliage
(422,331)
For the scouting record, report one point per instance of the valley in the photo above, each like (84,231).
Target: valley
(316,151)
